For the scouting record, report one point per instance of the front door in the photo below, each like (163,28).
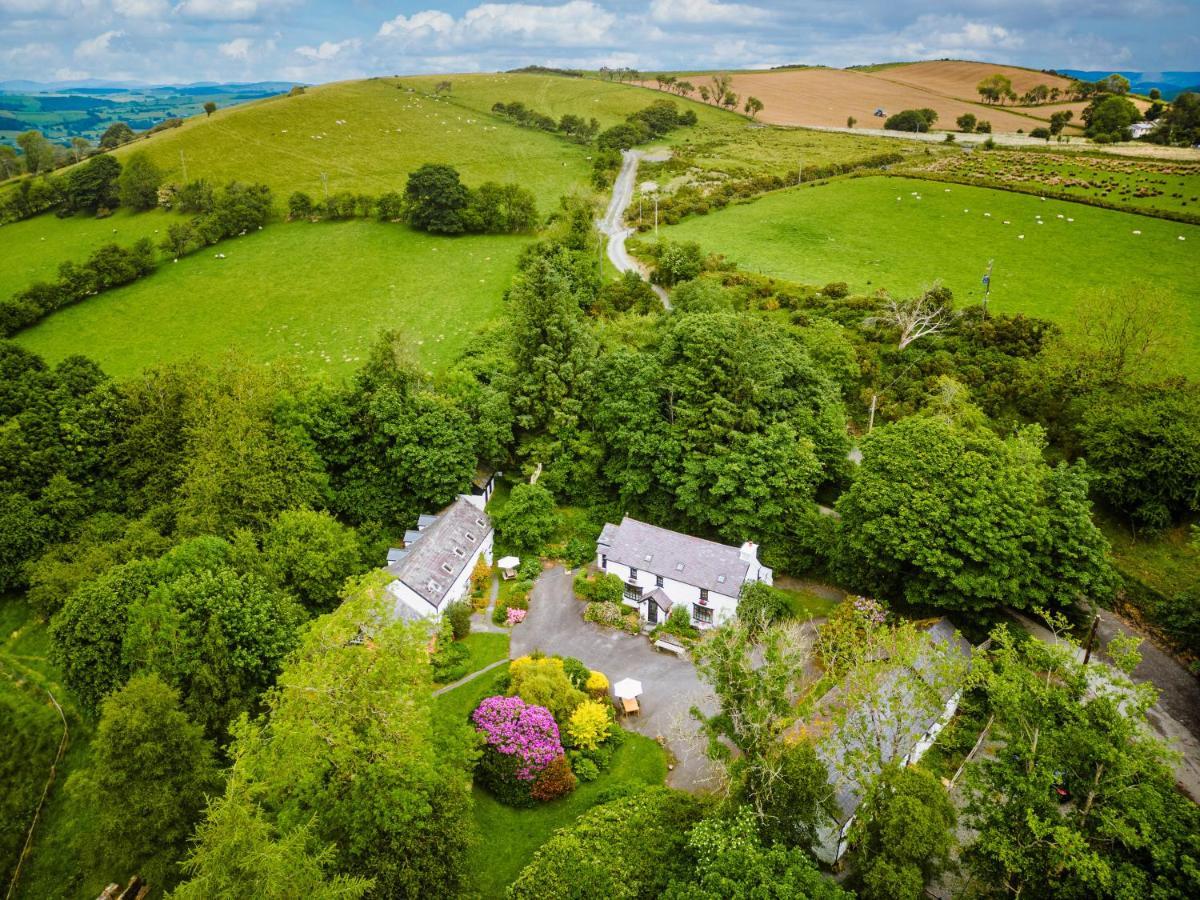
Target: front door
(652,612)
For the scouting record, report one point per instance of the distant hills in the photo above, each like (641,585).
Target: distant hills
(63,110)
(1170,83)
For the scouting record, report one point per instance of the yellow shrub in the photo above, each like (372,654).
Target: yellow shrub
(597,683)
(588,726)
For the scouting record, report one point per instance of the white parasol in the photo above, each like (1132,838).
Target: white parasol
(509,562)
(627,688)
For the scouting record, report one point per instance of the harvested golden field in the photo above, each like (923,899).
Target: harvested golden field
(827,97)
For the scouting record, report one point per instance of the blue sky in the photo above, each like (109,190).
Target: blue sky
(320,40)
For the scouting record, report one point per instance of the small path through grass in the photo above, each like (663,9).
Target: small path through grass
(471,677)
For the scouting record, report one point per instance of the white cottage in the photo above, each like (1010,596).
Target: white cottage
(433,568)
(663,569)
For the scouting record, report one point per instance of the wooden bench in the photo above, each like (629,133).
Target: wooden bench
(671,647)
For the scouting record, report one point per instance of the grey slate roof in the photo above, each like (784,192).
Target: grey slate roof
(395,554)
(691,560)
(897,736)
(434,562)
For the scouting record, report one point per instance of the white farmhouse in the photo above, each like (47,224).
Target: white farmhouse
(434,567)
(663,569)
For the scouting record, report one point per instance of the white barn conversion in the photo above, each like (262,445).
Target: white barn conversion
(433,568)
(663,569)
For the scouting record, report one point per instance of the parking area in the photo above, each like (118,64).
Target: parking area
(671,685)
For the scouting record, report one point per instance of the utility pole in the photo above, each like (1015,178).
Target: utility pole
(325,182)
(871,422)
(800,171)
(183,166)
(987,287)
(656,215)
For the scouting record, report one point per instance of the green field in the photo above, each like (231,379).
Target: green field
(875,233)
(319,293)
(1118,181)
(32,250)
(364,136)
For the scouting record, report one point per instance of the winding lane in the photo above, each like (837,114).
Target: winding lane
(613,224)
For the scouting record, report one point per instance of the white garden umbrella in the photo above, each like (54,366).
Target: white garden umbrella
(627,688)
(509,562)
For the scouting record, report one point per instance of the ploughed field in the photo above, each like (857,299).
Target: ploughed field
(320,293)
(1051,258)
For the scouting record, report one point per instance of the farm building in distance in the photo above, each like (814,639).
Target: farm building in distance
(663,569)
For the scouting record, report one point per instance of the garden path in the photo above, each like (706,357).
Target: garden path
(613,223)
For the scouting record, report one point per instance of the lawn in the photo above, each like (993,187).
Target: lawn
(1168,562)
(904,234)
(485,648)
(806,604)
(33,250)
(319,293)
(509,837)
(1112,180)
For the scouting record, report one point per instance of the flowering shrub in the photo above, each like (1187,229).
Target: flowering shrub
(520,741)
(848,627)
(556,780)
(588,726)
(870,611)
(515,616)
(543,681)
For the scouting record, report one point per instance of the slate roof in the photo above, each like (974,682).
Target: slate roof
(893,692)
(659,596)
(444,549)
(681,557)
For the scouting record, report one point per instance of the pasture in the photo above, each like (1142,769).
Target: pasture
(1141,183)
(361,136)
(318,293)
(33,249)
(1051,258)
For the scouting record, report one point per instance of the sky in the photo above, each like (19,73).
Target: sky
(178,41)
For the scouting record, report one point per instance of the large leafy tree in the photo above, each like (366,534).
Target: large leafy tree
(436,200)
(93,185)
(527,520)
(311,554)
(348,750)
(152,763)
(1126,831)
(945,513)
(139,181)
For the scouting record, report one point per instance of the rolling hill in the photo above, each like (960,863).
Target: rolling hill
(827,97)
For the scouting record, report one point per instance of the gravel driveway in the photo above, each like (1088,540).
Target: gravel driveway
(555,624)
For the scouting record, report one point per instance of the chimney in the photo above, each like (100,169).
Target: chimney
(749,552)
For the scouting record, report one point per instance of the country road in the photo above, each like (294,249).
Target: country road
(613,224)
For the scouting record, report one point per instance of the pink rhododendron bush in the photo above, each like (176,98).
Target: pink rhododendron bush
(523,758)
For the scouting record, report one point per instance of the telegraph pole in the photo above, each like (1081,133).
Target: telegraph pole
(183,166)
(325,183)
(800,171)
(987,287)
(656,215)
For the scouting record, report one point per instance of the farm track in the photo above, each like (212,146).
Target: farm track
(613,224)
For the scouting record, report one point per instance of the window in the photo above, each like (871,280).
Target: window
(432,587)
(703,595)
(649,557)
(633,592)
(632,574)
(470,537)
(678,567)
(702,615)
(604,561)
(480,523)
(446,568)
(720,579)
(459,552)
(658,582)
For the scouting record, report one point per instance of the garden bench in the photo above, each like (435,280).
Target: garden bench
(670,647)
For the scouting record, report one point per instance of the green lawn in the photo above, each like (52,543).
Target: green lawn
(485,648)
(1168,562)
(807,605)
(875,233)
(319,293)
(509,837)
(33,250)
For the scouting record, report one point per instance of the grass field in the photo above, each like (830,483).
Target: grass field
(509,837)
(363,136)
(1143,184)
(32,250)
(875,233)
(320,293)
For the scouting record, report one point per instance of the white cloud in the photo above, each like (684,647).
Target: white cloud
(141,9)
(705,12)
(220,10)
(238,48)
(100,45)
(328,49)
(578,23)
